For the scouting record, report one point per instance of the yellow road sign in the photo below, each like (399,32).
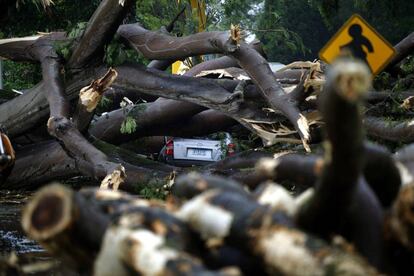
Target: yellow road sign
(357,38)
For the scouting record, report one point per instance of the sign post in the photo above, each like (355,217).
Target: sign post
(359,39)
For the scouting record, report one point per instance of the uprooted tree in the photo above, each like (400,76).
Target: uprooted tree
(56,136)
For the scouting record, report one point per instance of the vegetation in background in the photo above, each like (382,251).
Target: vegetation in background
(20,76)
(154,14)
(297,29)
(285,29)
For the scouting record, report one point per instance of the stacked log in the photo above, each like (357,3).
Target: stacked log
(108,232)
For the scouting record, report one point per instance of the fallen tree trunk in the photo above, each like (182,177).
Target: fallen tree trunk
(199,91)
(389,130)
(404,48)
(221,62)
(31,109)
(153,45)
(56,164)
(52,164)
(161,113)
(202,92)
(147,116)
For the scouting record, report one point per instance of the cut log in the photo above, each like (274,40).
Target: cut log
(61,221)
(346,83)
(249,226)
(193,184)
(89,97)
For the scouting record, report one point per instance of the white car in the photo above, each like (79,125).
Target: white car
(188,152)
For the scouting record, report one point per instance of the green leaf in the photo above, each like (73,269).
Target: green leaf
(128,126)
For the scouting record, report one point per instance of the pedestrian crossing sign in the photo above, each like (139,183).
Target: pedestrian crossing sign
(357,38)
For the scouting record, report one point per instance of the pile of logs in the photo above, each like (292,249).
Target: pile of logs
(355,215)
(356,220)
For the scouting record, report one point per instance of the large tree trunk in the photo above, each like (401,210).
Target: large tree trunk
(153,45)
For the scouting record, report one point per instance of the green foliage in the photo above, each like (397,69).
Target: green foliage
(105,102)
(77,30)
(63,48)
(128,126)
(103,105)
(116,54)
(404,83)
(290,30)
(20,75)
(221,14)
(391,18)
(63,15)
(382,81)
(154,14)
(404,80)
(153,192)
(408,66)
(297,29)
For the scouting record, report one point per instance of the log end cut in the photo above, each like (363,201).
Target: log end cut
(352,78)
(48,213)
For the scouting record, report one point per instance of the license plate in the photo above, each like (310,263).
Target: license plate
(203,153)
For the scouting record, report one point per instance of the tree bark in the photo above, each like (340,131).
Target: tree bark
(389,130)
(203,92)
(53,164)
(404,48)
(64,223)
(344,157)
(153,45)
(100,30)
